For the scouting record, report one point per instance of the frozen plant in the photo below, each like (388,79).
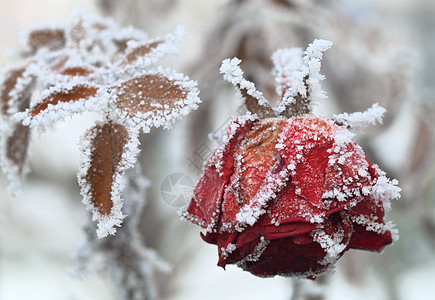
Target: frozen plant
(288,192)
(92,64)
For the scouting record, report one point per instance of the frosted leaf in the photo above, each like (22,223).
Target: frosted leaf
(312,59)
(76,71)
(15,93)
(13,155)
(8,84)
(108,151)
(58,102)
(16,88)
(51,38)
(157,99)
(359,120)
(248,94)
(144,54)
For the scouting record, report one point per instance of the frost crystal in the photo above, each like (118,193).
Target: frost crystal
(361,119)
(92,64)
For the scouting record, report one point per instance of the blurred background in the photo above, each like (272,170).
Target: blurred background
(384,51)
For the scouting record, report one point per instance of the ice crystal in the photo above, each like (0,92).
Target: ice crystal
(92,64)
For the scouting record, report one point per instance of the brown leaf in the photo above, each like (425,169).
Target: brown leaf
(107,149)
(149,93)
(54,39)
(78,92)
(16,146)
(8,85)
(76,71)
(141,51)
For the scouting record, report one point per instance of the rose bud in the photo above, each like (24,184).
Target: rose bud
(289,193)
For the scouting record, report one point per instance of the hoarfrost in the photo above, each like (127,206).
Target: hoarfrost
(247,93)
(359,120)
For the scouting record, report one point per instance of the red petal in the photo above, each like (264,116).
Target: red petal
(258,163)
(204,208)
(369,240)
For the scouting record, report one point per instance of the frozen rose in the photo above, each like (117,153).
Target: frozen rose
(290,196)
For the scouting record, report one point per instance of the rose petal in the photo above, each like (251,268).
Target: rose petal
(204,209)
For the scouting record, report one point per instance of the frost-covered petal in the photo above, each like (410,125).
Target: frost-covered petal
(258,175)
(204,208)
(108,150)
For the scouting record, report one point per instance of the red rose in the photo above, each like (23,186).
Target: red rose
(290,196)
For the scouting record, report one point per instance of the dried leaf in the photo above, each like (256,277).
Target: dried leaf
(16,147)
(76,71)
(141,51)
(107,149)
(79,92)
(156,97)
(8,85)
(15,96)
(54,39)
